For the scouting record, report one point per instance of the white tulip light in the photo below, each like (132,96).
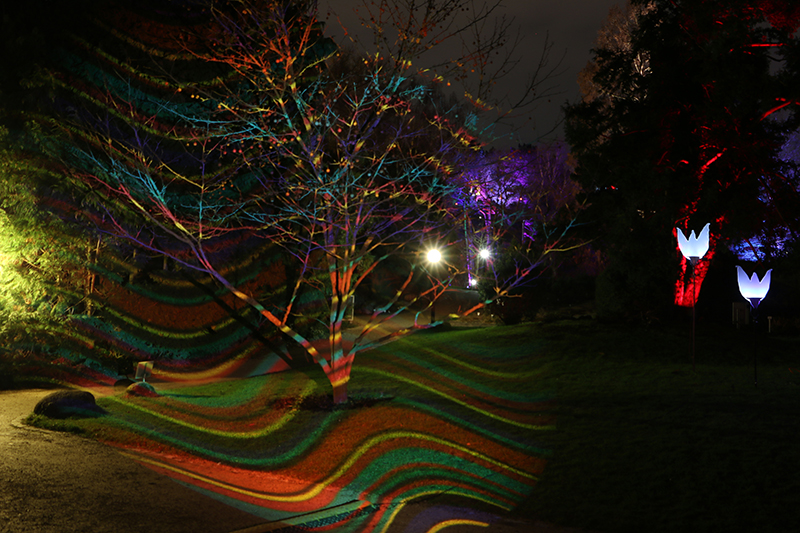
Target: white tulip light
(695,247)
(755,291)
(751,288)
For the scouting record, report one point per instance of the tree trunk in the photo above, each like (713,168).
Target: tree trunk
(340,393)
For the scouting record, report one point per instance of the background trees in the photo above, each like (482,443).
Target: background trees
(687,106)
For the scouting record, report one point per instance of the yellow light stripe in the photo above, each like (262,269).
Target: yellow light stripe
(405,501)
(496,373)
(341,381)
(456,522)
(244,492)
(205,374)
(317,488)
(231,434)
(456,400)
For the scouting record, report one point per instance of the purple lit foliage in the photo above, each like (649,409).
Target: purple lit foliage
(525,203)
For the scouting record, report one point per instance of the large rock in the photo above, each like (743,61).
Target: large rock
(66,403)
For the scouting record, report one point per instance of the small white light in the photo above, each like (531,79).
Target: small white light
(485,254)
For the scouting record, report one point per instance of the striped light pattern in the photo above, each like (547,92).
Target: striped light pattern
(465,430)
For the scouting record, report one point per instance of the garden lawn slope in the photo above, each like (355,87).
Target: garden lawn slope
(580,424)
(434,415)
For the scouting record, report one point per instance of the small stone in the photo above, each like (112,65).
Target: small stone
(141,389)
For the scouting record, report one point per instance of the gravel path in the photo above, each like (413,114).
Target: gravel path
(62,483)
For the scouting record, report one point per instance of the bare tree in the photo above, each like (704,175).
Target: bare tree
(467,46)
(343,160)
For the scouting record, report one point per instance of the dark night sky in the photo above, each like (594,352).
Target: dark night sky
(572,27)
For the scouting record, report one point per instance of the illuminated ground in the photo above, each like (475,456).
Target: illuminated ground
(445,436)
(54,482)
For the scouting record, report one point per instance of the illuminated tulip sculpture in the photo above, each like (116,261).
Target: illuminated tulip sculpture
(751,288)
(693,249)
(754,291)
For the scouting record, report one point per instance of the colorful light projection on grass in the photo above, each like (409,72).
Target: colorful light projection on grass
(461,429)
(191,332)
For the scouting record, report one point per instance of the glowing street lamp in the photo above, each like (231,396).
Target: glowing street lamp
(484,254)
(434,256)
(754,291)
(693,249)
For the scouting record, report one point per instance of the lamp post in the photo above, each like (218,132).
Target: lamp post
(693,249)
(434,256)
(754,292)
(485,255)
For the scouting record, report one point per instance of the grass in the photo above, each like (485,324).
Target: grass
(641,442)
(645,443)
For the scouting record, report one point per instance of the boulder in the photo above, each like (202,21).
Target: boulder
(141,389)
(123,384)
(66,403)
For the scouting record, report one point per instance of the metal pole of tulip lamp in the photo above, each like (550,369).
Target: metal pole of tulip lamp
(693,249)
(754,292)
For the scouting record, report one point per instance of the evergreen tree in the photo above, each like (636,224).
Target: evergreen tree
(44,261)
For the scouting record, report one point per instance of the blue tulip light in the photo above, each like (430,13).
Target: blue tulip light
(693,249)
(751,288)
(754,291)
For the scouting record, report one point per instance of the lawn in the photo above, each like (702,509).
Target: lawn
(646,443)
(573,422)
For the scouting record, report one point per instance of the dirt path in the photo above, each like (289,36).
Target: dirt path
(61,483)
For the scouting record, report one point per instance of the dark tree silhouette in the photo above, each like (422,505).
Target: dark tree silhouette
(686,107)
